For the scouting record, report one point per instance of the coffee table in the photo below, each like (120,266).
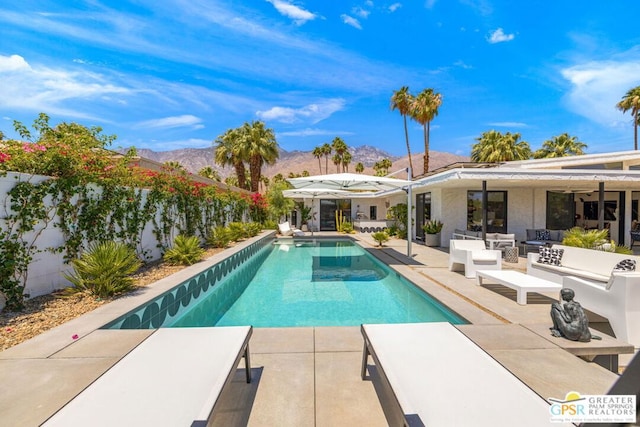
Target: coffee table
(522,283)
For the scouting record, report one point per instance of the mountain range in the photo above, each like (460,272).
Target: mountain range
(194,159)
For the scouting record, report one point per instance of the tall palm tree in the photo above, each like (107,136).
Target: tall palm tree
(326,150)
(631,102)
(359,167)
(340,148)
(337,160)
(229,152)
(560,146)
(424,109)
(318,153)
(261,148)
(346,160)
(492,146)
(402,100)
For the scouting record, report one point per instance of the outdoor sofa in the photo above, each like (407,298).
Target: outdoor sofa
(605,283)
(173,378)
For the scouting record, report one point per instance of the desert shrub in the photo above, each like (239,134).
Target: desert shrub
(104,270)
(346,227)
(253,229)
(380,237)
(237,231)
(219,237)
(270,225)
(186,250)
(593,239)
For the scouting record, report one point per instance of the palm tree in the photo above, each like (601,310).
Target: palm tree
(265,182)
(337,160)
(382,167)
(318,153)
(359,167)
(346,160)
(631,102)
(340,148)
(228,152)
(402,100)
(560,146)
(425,108)
(209,172)
(261,147)
(492,146)
(326,150)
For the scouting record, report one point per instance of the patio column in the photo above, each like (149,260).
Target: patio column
(601,206)
(485,201)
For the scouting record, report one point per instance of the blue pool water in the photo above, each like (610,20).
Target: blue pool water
(288,283)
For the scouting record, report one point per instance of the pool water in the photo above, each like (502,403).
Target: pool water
(334,283)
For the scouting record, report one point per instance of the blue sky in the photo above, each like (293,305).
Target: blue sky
(177,73)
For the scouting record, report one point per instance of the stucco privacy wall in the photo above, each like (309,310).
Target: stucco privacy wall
(45,273)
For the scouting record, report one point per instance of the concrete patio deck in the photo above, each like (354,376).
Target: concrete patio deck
(305,376)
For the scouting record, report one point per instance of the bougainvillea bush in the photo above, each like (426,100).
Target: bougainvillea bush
(97,195)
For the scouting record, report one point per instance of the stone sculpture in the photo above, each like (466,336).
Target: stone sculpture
(569,318)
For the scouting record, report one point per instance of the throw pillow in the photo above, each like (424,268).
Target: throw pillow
(625,265)
(543,235)
(551,256)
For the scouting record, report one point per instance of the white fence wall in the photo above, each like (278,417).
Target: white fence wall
(45,273)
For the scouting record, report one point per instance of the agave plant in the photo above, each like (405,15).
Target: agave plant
(104,270)
(186,250)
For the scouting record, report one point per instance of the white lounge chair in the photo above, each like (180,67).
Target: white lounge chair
(173,378)
(473,255)
(430,374)
(286,230)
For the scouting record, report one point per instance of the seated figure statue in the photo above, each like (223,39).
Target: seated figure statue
(569,318)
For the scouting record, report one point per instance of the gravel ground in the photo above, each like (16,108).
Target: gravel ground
(48,311)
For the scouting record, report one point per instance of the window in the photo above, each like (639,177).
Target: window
(561,211)
(373,212)
(496,211)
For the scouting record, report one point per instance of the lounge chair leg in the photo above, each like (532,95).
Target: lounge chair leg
(247,363)
(365,358)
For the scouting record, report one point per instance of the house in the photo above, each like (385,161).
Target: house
(591,191)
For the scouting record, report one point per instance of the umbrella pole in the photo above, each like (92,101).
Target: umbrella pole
(409,230)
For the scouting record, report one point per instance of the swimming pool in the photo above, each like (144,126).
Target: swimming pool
(284,283)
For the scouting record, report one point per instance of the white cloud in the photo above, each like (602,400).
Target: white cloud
(312,113)
(362,13)
(509,124)
(13,63)
(186,120)
(349,20)
(313,132)
(38,88)
(299,15)
(429,3)
(598,86)
(498,36)
(394,7)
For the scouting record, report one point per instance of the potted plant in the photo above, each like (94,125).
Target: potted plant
(305,215)
(432,229)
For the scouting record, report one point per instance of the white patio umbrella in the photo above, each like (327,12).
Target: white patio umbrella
(356,182)
(324,193)
(349,181)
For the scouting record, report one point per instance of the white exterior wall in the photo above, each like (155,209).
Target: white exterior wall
(45,272)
